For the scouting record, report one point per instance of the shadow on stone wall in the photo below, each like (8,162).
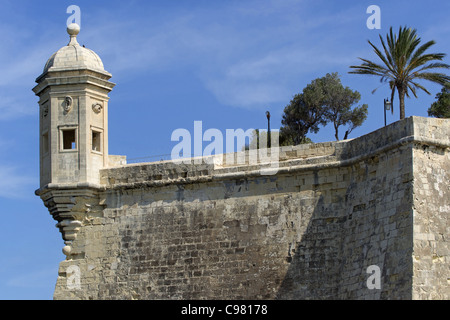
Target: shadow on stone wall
(306,234)
(367,223)
(314,261)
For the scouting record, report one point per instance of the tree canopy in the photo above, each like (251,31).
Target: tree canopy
(322,101)
(441,107)
(403,62)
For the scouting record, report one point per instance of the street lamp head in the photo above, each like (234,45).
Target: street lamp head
(268,114)
(387,104)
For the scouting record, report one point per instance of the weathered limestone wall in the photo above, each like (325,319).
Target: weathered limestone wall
(431,274)
(182,231)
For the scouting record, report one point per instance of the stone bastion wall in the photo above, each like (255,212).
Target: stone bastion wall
(366,218)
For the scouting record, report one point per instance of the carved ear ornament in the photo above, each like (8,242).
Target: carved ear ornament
(67,104)
(45,111)
(97,107)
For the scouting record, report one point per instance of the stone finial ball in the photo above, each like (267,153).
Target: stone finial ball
(73,29)
(67,250)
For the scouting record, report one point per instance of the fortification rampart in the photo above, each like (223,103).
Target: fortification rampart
(311,231)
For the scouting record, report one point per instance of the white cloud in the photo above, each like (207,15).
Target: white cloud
(240,59)
(13,184)
(247,54)
(17,102)
(22,60)
(34,278)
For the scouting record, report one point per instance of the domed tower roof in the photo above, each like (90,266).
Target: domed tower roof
(74,56)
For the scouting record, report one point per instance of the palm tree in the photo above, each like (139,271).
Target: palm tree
(403,64)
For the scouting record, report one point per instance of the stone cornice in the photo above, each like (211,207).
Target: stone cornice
(291,159)
(85,79)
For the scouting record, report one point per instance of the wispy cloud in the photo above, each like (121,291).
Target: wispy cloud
(34,278)
(14,184)
(247,55)
(16,102)
(22,59)
(240,57)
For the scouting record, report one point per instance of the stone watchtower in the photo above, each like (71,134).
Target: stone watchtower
(73,106)
(73,91)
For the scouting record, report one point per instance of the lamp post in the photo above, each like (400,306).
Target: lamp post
(268,129)
(387,106)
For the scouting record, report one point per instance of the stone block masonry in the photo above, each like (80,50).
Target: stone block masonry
(431,214)
(180,231)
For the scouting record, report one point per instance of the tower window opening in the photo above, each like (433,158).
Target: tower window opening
(45,143)
(96,141)
(69,139)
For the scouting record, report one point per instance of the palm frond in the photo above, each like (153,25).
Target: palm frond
(435,65)
(387,53)
(392,95)
(386,60)
(420,87)
(369,67)
(403,60)
(421,50)
(436,77)
(420,61)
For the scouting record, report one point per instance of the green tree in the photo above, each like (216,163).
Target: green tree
(403,63)
(322,101)
(287,138)
(441,107)
(356,117)
(339,101)
(302,115)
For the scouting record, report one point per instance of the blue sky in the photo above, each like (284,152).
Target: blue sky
(174,62)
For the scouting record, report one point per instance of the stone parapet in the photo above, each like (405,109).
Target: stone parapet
(289,159)
(315,229)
